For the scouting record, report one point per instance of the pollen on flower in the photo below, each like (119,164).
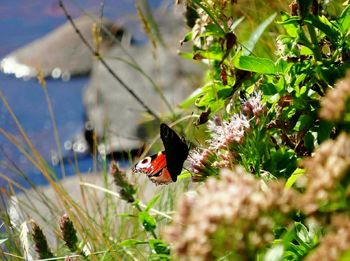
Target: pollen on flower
(229,132)
(253,106)
(225,159)
(201,164)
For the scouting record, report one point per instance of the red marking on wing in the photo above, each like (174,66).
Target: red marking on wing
(158,163)
(157,170)
(163,178)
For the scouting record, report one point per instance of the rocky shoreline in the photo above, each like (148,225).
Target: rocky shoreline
(111,114)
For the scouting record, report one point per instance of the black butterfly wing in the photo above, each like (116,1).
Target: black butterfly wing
(176,150)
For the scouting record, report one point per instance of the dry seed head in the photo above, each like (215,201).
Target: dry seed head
(40,241)
(69,233)
(125,189)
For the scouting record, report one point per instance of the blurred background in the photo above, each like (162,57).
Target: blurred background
(22,22)
(87,103)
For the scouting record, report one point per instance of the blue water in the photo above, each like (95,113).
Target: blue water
(21,22)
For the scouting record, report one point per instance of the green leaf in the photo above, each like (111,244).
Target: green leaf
(188,56)
(298,80)
(324,131)
(302,233)
(299,240)
(273,98)
(292,26)
(269,89)
(209,100)
(210,55)
(159,257)
(195,95)
(147,221)
(216,105)
(236,23)
(289,112)
(310,139)
(325,26)
(283,66)
(304,122)
(184,175)
(288,19)
(344,20)
(275,253)
(280,85)
(212,95)
(131,242)
(224,91)
(293,178)
(151,203)
(345,256)
(3,240)
(300,91)
(282,163)
(255,36)
(159,246)
(204,100)
(214,29)
(305,50)
(254,64)
(188,37)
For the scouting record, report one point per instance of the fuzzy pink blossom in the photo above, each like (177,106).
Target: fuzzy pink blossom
(229,132)
(201,164)
(336,243)
(333,104)
(237,207)
(325,170)
(253,106)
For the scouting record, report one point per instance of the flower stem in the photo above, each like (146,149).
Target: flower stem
(314,41)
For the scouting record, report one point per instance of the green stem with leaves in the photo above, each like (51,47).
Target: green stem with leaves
(315,50)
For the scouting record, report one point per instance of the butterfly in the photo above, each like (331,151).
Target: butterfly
(164,167)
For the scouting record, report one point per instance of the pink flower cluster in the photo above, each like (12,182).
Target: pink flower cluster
(253,106)
(228,132)
(237,206)
(224,134)
(201,164)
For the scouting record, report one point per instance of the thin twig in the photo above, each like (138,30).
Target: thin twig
(43,84)
(104,63)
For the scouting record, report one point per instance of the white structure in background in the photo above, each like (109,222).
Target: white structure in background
(10,65)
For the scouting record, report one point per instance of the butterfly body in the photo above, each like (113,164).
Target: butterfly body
(164,167)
